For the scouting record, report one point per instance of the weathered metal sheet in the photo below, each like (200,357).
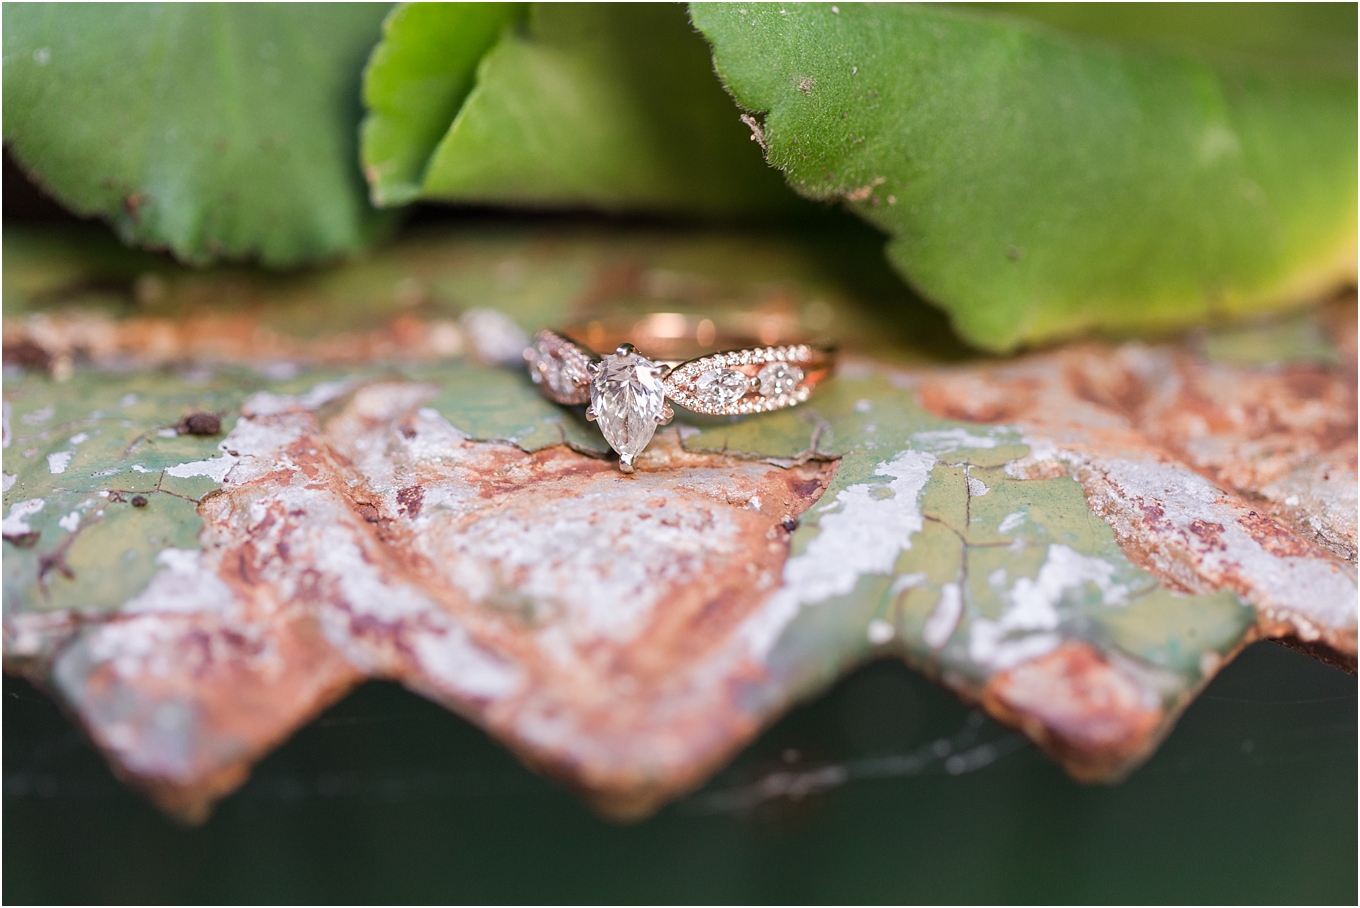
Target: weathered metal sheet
(1078,540)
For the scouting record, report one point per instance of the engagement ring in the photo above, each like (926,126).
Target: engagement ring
(627,391)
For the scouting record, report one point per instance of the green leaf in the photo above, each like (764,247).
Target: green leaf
(218,132)
(415,82)
(610,106)
(1035,184)
(1317,36)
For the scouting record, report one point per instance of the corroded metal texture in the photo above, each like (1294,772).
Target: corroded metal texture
(583,616)
(1077,540)
(1213,474)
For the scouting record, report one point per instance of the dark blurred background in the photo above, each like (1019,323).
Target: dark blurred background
(388,798)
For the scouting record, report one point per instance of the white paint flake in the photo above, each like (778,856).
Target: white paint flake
(1026,629)
(9,480)
(991,645)
(16,522)
(59,461)
(185,585)
(71,522)
(940,625)
(453,659)
(38,417)
(880,632)
(907,582)
(324,393)
(861,534)
(215,468)
(127,400)
(943,441)
(79,438)
(977,488)
(1306,591)
(138,468)
(1011,522)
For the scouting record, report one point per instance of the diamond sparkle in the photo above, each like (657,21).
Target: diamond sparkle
(627,400)
(778,379)
(720,387)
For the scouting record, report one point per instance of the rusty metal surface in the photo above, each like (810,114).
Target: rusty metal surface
(1077,540)
(1214,475)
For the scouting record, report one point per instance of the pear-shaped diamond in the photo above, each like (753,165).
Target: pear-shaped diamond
(627,400)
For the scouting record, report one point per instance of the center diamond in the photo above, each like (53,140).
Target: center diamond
(627,400)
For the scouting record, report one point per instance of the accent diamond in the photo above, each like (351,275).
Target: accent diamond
(627,400)
(778,378)
(721,387)
(565,378)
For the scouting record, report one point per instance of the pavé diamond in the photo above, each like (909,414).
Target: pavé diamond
(566,378)
(721,387)
(627,400)
(778,378)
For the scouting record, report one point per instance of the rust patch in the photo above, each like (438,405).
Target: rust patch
(1210,534)
(409,500)
(207,679)
(1079,708)
(1272,536)
(1213,476)
(967,395)
(1281,438)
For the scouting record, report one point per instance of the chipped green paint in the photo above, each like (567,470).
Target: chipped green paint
(1000,570)
(86,449)
(491,404)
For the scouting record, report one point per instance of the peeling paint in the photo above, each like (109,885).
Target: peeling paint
(858,534)
(939,627)
(942,441)
(1070,538)
(215,468)
(16,521)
